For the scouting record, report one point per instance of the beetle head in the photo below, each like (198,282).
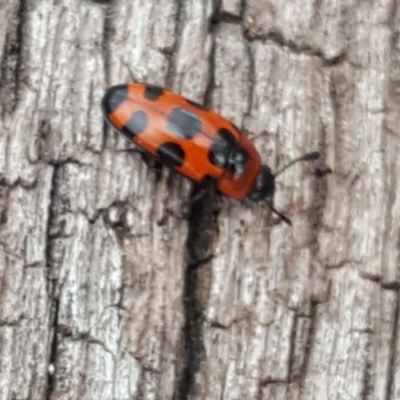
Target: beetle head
(264,185)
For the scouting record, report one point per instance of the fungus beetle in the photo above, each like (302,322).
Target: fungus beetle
(193,140)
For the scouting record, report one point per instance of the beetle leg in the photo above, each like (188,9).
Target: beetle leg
(199,192)
(150,160)
(282,217)
(147,158)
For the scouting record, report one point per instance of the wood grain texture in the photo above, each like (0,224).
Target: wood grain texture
(107,292)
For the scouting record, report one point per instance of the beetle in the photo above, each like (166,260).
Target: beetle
(193,140)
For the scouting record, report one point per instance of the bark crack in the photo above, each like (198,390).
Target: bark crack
(292,348)
(276,37)
(51,375)
(309,344)
(393,351)
(202,230)
(11,63)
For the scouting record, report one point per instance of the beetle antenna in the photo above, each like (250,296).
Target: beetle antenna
(131,74)
(307,157)
(281,216)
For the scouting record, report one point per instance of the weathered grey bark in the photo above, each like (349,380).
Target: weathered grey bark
(106,294)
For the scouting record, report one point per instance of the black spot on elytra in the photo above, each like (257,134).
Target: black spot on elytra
(136,124)
(183,123)
(226,152)
(113,98)
(220,149)
(171,154)
(152,92)
(226,137)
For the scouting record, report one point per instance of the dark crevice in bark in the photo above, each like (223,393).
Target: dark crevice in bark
(12,61)
(315,214)
(292,348)
(51,376)
(393,351)
(392,22)
(202,231)
(19,182)
(243,4)
(106,2)
(375,278)
(193,348)
(278,38)
(211,77)
(366,380)
(227,18)
(320,191)
(44,134)
(20,45)
(223,16)
(108,30)
(391,105)
(309,343)
(252,78)
(217,325)
(271,381)
(393,286)
(179,20)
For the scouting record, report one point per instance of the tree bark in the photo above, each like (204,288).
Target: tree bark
(106,292)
